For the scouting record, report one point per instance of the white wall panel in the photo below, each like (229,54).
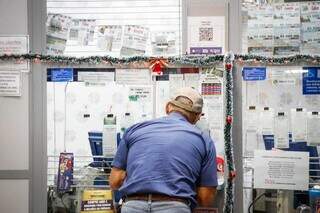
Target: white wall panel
(14,129)
(14,196)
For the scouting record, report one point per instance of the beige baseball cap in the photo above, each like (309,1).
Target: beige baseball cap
(193,95)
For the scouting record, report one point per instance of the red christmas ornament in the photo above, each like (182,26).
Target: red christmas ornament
(157,65)
(228,66)
(229,119)
(232,174)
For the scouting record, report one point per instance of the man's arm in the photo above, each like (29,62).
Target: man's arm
(116,178)
(206,195)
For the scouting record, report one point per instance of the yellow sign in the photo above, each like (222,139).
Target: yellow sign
(97,201)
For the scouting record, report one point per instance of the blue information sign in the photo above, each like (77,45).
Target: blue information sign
(311,81)
(61,74)
(254,73)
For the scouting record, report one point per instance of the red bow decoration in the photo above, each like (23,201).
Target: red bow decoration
(228,66)
(157,65)
(229,119)
(232,174)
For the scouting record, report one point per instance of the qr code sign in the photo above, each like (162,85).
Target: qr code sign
(205,34)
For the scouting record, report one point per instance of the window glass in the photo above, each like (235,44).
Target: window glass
(114,27)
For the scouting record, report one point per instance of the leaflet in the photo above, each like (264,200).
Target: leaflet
(299,124)
(313,124)
(267,121)
(281,133)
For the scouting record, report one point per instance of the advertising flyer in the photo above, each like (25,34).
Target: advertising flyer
(313,124)
(65,171)
(135,40)
(17,44)
(82,31)
(281,170)
(164,43)
(206,35)
(260,30)
(97,201)
(286,29)
(281,133)
(58,27)
(310,27)
(109,37)
(299,124)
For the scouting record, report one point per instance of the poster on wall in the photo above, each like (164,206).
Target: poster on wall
(206,35)
(164,43)
(58,27)
(10,83)
(109,37)
(286,29)
(17,44)
(281,170)
(135,40)
(82,31)
(260,30)
(310,27)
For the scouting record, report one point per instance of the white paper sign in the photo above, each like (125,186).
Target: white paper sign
(14,45)
(191,80)
(267,121)
(133,76)
(313,132)
(206,35)
(10,83)
(281,134)
(299,124)
(281,170)
(96,76)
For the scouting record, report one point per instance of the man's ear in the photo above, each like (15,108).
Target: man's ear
(167,108)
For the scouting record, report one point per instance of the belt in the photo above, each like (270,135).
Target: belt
(155,197)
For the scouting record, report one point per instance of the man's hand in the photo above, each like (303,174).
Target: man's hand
(205,196)
(116,178)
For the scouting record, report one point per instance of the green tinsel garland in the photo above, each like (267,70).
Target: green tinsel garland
(189,60)
(228,146)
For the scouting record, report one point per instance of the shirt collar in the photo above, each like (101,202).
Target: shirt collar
(177,115)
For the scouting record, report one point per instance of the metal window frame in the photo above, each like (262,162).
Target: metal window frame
(37,173)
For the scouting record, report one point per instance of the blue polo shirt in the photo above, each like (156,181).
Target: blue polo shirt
(167,155)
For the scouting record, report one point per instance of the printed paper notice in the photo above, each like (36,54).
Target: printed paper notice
(281,170)
(299,124)
(281,133)
(313,132)
(206,35)
(192,80)
(267,121)
(133,76)
(10,83)
(141,94)
(14,45)
(96,78)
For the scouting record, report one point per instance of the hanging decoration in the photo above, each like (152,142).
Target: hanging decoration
(157,65)
(187,60)
(228,146)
